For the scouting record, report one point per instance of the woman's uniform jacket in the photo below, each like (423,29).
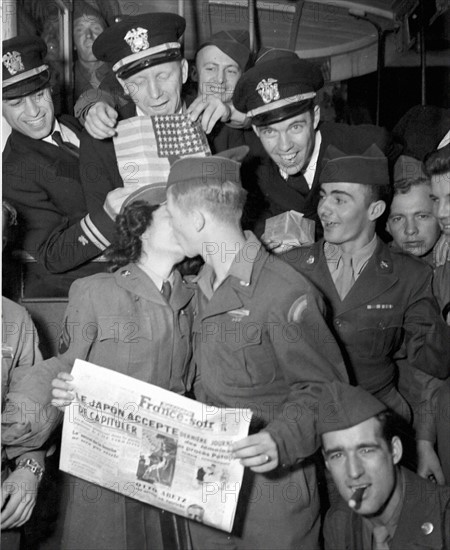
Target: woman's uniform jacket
(122,322)
(424,522)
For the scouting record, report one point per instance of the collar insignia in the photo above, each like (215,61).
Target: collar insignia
(137,39)
(13,62)
(268,90)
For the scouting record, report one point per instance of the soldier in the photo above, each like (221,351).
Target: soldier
(278,94)
(381,303)
(260,341)
(63,239)
(384,505)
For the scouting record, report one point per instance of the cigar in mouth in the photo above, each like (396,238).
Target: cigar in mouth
(356,498)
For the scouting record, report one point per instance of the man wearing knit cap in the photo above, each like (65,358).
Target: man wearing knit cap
(256,338)
(279,95)
(384,506)
(381,302)
(41,178)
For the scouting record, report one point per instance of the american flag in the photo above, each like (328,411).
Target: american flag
(146,147)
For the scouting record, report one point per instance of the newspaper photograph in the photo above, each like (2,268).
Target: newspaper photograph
(154,445)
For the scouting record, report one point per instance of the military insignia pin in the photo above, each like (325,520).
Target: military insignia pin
(13,62)
(137,39)
(268,90)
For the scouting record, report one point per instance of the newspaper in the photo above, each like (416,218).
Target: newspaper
(153,445)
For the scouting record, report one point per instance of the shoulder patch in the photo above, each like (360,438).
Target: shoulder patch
(297,309)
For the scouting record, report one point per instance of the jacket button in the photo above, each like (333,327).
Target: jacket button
(427,528)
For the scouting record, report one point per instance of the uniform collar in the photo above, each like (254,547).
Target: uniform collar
(333,254)
(241,267)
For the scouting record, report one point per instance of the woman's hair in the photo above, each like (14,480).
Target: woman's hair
(130,225)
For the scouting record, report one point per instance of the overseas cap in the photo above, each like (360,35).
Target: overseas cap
(409,170)
(205,170)
(343,406)
(24,70)
(369,168)
(138,42)
(277,88)
(234,43)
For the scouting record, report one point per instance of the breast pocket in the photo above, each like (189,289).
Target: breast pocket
(253,362)
(379,332)
(126,343)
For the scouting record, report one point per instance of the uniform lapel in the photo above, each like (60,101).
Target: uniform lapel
(133,279)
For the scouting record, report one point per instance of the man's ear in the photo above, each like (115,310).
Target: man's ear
(316,116)
(397,449)
(376,210)
(184,70)
(199,220)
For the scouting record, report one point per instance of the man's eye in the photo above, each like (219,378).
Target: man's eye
(268,132)
(335,456)
(423,216)
(367,450)
(395,219)
(297,127)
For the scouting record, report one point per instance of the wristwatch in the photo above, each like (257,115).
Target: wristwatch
(32,465)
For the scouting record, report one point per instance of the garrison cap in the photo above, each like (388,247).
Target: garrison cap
(204,170)
(141,41)
(409,170)
(24,70)
(369,168)
(154,194)
(234,43)
(343,406)
(278,87)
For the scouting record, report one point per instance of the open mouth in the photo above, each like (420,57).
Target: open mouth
(357,496)
(288,159)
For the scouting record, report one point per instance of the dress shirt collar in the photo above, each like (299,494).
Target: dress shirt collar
(310,170)
(66,134)
(333,254)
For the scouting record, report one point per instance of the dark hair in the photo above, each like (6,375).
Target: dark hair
(438,162)
(389,425)
(130,225)
(404,186)
(379,193)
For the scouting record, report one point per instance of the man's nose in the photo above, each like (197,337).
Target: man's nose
(153,89)
(284,142)
(410,227)
(31,106)
(355,467)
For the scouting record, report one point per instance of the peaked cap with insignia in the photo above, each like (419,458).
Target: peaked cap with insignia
(278,87)
(234,43)
(343,406)
(24,71)
(140,41)
(369,168)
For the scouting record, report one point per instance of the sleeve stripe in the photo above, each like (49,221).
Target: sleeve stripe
(93,234)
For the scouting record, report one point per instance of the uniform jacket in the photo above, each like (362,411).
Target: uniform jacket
(20,352)
(424,522)
(274,195)
(122,322)
(43,182)
(261,342)
(391,302)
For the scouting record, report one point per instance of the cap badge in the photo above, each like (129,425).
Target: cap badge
(268,90)
(137,39)
(13,62)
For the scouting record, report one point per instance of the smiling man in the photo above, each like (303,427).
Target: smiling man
(279,94)
(384,506)
(381,302)
(41,178)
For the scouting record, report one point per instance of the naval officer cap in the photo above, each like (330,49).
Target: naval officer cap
(234,43)
(138,42)
(277,88)
(342,406)
(23,69)
(367,168)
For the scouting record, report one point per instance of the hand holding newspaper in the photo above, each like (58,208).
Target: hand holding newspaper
(154,445)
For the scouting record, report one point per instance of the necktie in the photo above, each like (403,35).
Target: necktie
(345,279)
(166,290)
(65,145)
(381,537)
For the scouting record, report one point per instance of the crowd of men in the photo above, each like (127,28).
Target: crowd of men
(372,315)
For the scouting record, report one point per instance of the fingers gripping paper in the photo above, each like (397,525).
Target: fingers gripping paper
(146,147)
